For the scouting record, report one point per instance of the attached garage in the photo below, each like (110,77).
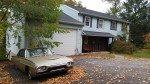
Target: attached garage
(69,43)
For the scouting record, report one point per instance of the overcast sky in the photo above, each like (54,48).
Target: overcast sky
(97,5)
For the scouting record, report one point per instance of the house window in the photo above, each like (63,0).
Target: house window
(100,23)
(113,25)
(124,27)
(87,20)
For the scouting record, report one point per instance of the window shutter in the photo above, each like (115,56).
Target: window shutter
(111,25)
(116,25)
(83,19)
(91,22)
(97,22)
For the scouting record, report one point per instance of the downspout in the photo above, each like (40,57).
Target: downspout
(77,47)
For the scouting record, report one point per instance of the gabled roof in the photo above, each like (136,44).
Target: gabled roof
(64,18)
(84,11)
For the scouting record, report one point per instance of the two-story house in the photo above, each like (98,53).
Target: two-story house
(98,31)
(89,31)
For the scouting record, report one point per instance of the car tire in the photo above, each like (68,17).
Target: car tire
(66,71)
(30,77)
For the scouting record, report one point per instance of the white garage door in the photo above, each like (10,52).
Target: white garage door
(69,43)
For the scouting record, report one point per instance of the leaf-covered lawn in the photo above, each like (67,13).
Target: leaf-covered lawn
(5,77)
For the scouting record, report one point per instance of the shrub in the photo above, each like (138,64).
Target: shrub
(147,45)
(2,52)
(122,47)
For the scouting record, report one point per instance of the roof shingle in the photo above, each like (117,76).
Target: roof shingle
(96,14)
(64,18)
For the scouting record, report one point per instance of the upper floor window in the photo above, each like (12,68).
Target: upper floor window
(87,21)
(113,25)
(124,27)
(100,23)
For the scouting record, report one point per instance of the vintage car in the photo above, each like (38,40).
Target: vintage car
(40,61)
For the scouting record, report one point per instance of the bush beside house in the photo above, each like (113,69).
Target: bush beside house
(122,47)
(3,49)
(147,41)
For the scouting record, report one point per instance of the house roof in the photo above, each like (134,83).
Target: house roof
(100,34)
(84,11)
(64,18)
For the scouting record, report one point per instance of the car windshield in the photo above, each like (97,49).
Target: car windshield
(38,52)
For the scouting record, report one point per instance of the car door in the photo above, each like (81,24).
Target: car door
(21,58)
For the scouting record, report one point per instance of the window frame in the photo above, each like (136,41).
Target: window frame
(99,23)
(87,20)
(124,27)
(113,25)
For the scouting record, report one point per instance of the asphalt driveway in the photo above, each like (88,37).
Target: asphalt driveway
(116,70)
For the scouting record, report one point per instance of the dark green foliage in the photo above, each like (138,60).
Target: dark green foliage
(115,7)
(147,45)
(3,50)
(74,3)
(44,14)
(135,11)
(122,47)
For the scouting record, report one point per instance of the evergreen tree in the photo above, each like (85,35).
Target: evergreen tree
(135,11)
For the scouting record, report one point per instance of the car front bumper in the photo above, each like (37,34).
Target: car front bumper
(53,70)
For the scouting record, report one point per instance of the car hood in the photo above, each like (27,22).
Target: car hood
(52,60)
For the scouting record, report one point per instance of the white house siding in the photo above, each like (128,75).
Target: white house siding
(69,43)
(106,27)
(79,42)
(13,41)
(10,40)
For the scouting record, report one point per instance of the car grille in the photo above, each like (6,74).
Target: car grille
(57,67)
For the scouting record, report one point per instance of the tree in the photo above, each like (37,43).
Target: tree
(3,21)
(135,11)
(116,7)
(74,3)
(41,20)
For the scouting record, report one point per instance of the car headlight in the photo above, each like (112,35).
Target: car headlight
(69,64)
(42,69)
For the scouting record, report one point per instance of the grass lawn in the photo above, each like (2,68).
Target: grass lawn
(143,53)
